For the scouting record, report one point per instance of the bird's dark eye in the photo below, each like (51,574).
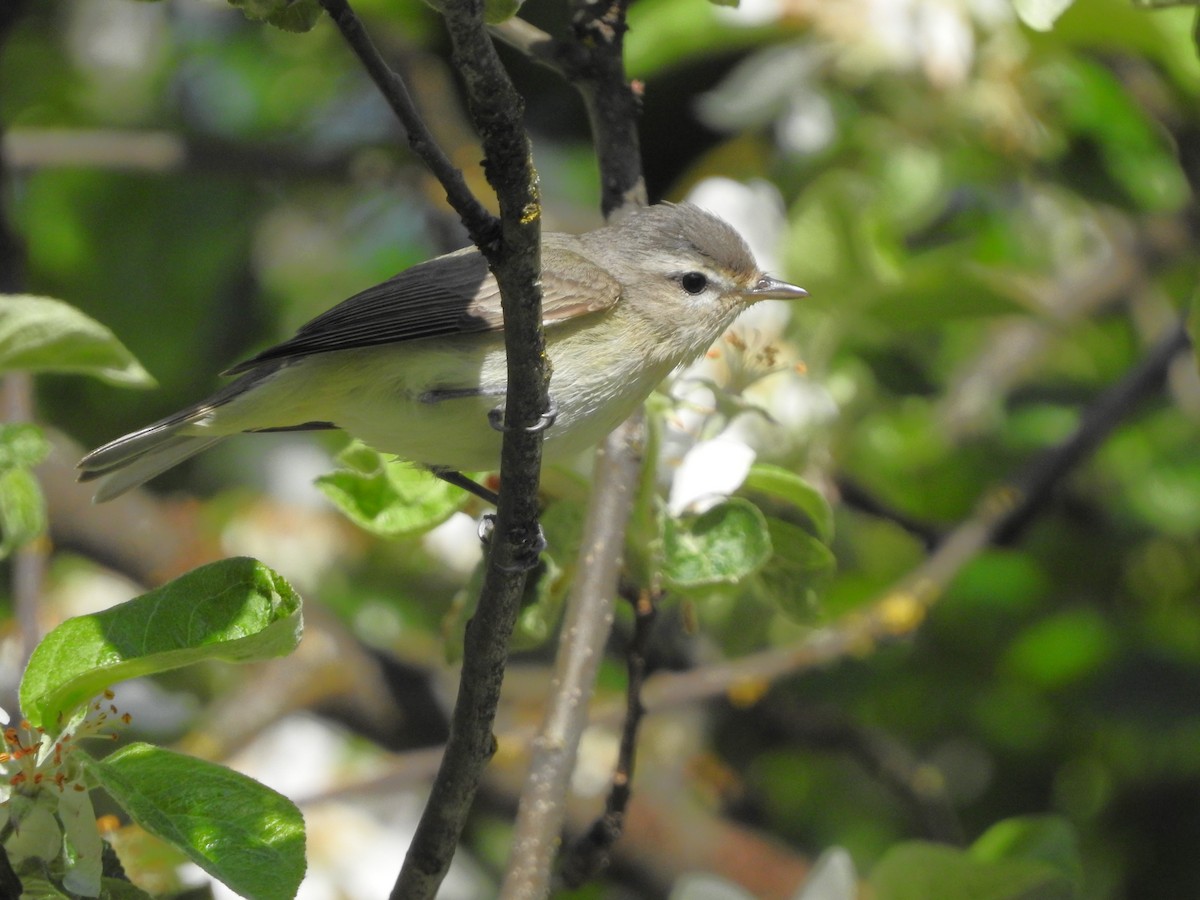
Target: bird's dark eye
(693,282)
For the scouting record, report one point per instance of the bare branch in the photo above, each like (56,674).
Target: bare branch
(591,853)
(542,807)
(594,62)
(597,69)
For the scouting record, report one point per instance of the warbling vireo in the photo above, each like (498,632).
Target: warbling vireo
(415,365)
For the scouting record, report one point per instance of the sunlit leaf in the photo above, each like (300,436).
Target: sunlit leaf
(789,487)
(236,610)
(239,831)
(387,497)
(288,15)
(719,547)
(919,871)
(666,32)
(40,334)
(1048,839)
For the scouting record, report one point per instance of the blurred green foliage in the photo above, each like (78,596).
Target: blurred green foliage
(995,224)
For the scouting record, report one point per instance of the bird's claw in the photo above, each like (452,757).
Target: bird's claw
(545,420)
(527,555)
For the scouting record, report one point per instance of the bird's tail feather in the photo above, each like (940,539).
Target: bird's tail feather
(134,459)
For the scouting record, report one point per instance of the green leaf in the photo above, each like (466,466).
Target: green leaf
(798,571)
(791,488)
(389,498)
(236,610)
(22,444)
(43,335)
(664,33)
(1040,15)
(22,509)
(239,831)
(719,547)
(938,287)
(288,15)
(1131,143)
(36,886)
(115,888)
(1064,649)
(541,605)
(1048,839)
(919,871)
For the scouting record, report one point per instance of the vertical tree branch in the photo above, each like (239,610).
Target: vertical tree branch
(542,806)
(513,250)
(594,63)
(597,69)
(496,110)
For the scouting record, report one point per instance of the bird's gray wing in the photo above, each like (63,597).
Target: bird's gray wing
(451,295)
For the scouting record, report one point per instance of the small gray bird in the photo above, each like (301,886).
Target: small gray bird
(415,365)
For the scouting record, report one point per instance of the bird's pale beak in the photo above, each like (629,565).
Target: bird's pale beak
(769,288)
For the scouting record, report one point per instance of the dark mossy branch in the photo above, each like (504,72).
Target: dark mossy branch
(512,247)
(592,59)
(597,69)
(590,855)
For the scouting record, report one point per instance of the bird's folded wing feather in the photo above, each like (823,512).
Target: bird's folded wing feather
(451,295)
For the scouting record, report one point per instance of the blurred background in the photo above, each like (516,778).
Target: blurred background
(996,225)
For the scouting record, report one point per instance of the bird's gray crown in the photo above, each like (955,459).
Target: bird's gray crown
(681,229)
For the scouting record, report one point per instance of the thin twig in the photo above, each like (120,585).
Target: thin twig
(597,69)
(590,855)
(531,41)
(541,809)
